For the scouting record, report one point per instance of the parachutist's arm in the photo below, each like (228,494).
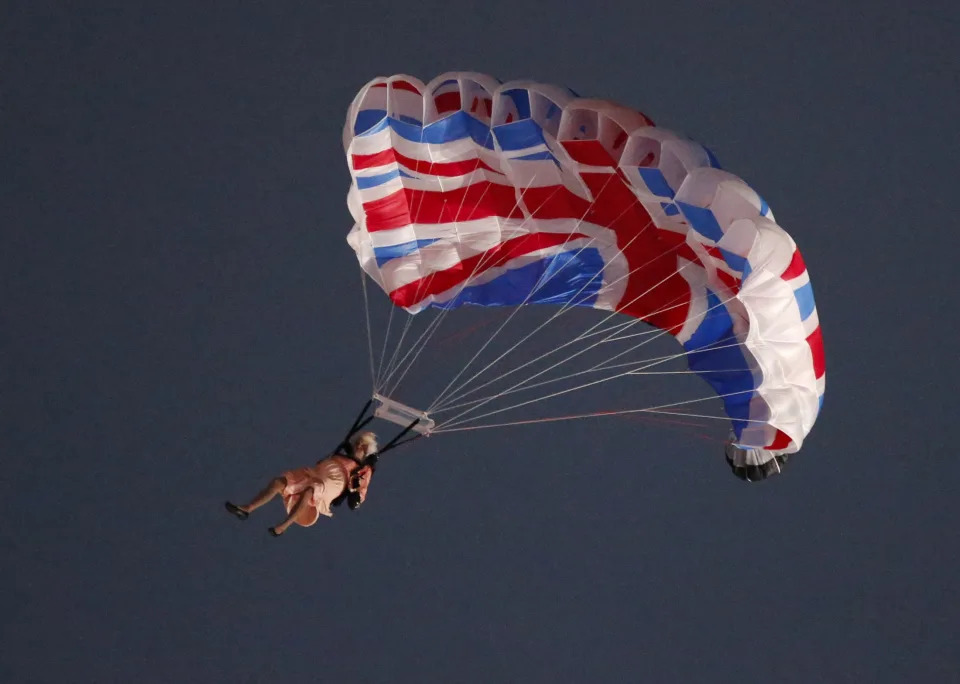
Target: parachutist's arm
(360,481)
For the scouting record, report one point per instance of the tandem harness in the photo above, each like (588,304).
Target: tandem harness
(345,449)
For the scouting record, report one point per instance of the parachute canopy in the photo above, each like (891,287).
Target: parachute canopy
(469,191)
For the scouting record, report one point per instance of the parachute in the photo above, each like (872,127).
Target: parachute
(468,191)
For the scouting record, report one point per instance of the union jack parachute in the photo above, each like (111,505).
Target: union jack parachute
(466,191)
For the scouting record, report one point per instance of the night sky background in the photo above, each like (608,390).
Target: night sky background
(182,320)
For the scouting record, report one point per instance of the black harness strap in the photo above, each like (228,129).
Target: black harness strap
(346,449)
(358,424)
(395,442)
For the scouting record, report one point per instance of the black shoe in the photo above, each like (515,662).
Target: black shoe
(273,532)
(236,510)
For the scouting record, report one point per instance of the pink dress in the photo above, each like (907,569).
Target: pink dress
(323,483)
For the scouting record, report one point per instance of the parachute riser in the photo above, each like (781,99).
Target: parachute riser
(394,412)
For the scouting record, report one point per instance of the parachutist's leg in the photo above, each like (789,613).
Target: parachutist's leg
(301,504)
(271,490)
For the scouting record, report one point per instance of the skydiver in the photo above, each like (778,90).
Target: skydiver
(309,492)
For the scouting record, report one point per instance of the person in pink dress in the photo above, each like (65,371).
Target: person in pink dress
(309,492)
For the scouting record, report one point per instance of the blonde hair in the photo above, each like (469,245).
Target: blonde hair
(368,439)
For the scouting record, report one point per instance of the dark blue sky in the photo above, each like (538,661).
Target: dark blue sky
(178,298)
